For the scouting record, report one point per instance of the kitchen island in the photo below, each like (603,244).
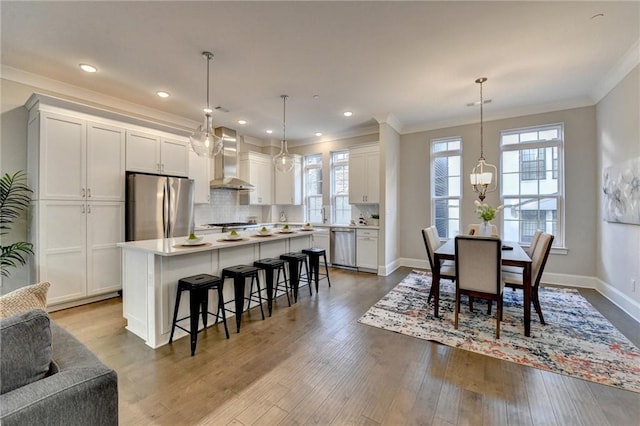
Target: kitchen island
(151,270)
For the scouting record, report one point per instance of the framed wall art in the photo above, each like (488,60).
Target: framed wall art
(621,190)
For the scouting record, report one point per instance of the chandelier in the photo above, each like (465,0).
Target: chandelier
(283,160)
(483,173)
(203,141)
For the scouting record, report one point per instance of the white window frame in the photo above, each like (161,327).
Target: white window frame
(334,164)
(307,197)
(434,198)
(559,196)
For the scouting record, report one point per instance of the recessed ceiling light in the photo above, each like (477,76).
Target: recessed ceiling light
(269,131)
(162,94)
(316,97)
(88,68)
(242,121)
(318,133)
(347,113)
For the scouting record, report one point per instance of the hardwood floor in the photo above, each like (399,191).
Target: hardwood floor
(314,364)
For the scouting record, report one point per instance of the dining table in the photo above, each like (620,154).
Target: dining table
(512,255)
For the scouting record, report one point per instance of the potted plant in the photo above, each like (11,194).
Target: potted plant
(15,196)
(375,219)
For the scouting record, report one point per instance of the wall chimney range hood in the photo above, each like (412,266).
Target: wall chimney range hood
(226,163)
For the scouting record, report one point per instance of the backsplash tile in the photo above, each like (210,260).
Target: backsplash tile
(225,207)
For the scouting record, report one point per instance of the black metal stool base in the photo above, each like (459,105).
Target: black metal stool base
(296,262)
(239,273)
(314,254)
(198,287)
(270,266)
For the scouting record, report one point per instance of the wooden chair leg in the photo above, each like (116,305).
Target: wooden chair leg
(536,304)
(457,309)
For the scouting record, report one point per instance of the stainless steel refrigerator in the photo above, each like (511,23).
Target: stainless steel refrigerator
(158,207)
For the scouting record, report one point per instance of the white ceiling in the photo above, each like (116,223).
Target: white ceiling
(414,60)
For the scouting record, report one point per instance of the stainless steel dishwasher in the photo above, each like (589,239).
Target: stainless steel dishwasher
(343,247)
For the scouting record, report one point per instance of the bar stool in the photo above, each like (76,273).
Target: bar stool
(270,266)
(314,254)
(239,274)
(198,287)
(296,261)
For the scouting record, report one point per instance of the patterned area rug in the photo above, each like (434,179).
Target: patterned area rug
(577,340)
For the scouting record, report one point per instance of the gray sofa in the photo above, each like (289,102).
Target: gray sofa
(50,378)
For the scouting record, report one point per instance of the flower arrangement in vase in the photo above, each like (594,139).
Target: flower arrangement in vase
(487,213)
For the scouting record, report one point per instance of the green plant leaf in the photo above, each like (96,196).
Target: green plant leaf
(15,196)
(13,255)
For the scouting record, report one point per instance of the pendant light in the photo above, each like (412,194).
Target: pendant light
(284,161)
(203,141)
(483,172)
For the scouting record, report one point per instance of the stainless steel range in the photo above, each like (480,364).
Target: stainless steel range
(228,226)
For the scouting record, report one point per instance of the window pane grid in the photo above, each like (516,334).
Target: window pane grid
(313,188)
(531,182)
(341,209)
(446,182)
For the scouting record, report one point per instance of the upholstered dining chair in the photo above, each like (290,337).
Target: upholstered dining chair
(539,257)
(478,272)
(474,229)
(534,241)
(431,243)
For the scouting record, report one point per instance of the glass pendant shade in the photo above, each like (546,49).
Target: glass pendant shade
(283,161)
(203,141)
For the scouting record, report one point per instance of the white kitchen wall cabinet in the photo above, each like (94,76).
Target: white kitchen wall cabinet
(76,168)
(75,248)
(367,249)
(364,175)
(75,159)
(200,171)
(288,185)
(151,153)
(257,169)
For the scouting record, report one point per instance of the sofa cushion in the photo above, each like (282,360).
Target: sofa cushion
(24,299)
(25,354)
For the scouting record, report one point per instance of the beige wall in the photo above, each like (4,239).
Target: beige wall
(13,157)
(618,251)
(581,184)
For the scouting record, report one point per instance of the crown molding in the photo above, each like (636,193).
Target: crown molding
(98,100)
(615,75)
(351,133)
(501,115)
(392,121)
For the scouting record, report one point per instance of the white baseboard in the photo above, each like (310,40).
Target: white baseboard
(621,300)
(83,301)
(628,305)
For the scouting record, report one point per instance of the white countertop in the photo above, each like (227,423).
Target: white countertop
(172,247)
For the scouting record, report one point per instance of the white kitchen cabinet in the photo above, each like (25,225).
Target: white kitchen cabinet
(321,240)
(257,169)
(200,172)
(367,249)
(74,159)
(288,185)
(75,248)
(150,153)
(364,175)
